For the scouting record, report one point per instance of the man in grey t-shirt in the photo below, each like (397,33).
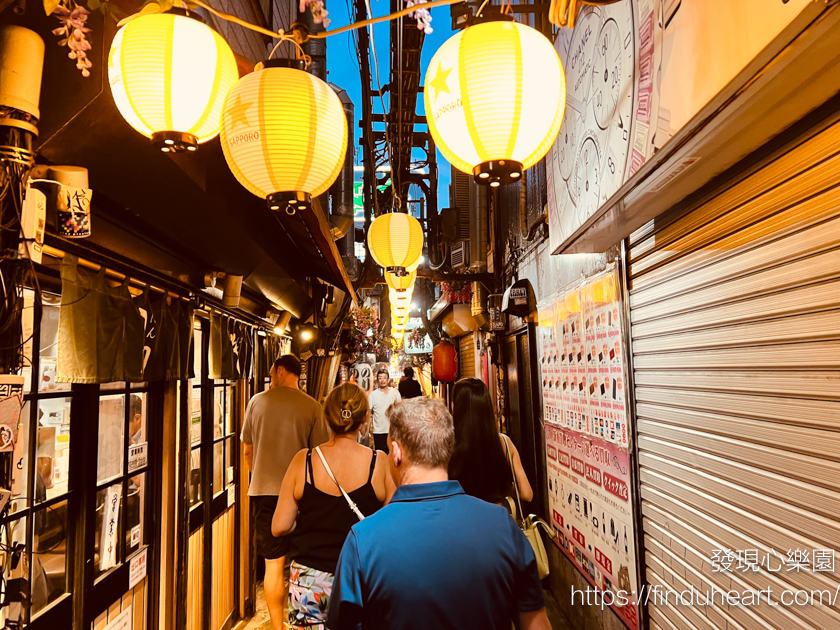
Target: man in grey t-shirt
(278,423)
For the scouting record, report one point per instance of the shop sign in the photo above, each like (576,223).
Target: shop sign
(136,535)
(110,520)
(137,568)
(121,621)
(137,456)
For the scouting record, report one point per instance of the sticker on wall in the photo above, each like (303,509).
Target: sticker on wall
(121,621)
(136,535)
(137,567)
(137,456)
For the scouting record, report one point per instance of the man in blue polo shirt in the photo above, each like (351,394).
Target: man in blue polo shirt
(434,558)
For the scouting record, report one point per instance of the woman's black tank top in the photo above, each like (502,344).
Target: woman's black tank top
(324,520)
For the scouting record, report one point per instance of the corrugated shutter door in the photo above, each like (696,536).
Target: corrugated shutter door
(735,323)
(466,359)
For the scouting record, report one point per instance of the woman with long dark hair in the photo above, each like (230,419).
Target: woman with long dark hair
(480,461)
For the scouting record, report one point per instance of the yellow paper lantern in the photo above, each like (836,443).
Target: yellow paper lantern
(400,283)
(396,242)
(169,76)
(495,95)
(284,134)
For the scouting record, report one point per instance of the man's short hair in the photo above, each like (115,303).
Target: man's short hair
(382,371)
(135,406)
(424,429)
(409,372)
(288,362)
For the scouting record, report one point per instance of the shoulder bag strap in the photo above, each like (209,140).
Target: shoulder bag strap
(347,498)
(513,474)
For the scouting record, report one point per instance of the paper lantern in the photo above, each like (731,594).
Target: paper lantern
(495,95)
(169,76)
(400,283)
(444,362)
(396,242)
(284,134)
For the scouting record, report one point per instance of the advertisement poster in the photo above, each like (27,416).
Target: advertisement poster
(587,437)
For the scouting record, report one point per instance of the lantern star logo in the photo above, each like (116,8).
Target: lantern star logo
(237,113)
(439,82)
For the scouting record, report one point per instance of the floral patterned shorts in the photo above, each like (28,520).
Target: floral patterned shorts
(309,597)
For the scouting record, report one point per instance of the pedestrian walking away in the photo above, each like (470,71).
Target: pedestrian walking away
(434,557)
(321,499)
(408,387)
(278,423)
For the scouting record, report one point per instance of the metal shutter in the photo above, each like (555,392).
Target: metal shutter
(466,360)
(735,324)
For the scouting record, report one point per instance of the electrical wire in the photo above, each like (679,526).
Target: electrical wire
(350,27)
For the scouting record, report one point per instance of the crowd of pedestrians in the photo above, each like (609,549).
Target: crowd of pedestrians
(409,535)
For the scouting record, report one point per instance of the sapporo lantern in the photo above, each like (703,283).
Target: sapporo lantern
(169,77)
(396,242)
(495,95)
(284,134)
(400,283)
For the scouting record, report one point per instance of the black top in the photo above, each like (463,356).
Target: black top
(324,520)
(409,388)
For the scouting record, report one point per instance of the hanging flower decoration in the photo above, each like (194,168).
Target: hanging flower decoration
(366,336)
(74,35)
(456,292)
(319,11)
(423,16)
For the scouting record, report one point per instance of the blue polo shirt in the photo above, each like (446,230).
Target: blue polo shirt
(434,558)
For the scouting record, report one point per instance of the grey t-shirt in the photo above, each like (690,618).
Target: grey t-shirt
(379,403)
(278,423)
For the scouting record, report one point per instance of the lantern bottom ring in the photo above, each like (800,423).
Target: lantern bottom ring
(174,141)
(397,271)
(497,172)
(290,200)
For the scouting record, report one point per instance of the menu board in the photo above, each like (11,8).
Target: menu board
(583,378)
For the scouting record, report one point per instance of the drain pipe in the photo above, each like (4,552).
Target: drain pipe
(341,192)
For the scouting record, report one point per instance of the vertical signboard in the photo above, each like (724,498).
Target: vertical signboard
(583,380)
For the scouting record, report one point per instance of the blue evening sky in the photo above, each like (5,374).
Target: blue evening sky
(343,69)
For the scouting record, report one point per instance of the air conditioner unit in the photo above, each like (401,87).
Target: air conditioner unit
(460,254)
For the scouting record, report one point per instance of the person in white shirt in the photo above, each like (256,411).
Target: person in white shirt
(380,400)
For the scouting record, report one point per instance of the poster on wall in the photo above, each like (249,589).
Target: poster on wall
(583,376)
(634,78)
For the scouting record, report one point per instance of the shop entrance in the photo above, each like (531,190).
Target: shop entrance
(213,557)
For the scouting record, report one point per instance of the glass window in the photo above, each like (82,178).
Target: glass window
(135,510)
(137,419)
(195,476)
(49,550)
(218,463)
(230,474)
(48,339)
(52,455)
(111,448)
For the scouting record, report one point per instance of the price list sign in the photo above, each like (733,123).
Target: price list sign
(583,379)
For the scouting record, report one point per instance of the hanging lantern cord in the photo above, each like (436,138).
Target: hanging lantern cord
(350,27)
(293,40)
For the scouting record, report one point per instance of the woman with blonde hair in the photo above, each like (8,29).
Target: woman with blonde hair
(322,497)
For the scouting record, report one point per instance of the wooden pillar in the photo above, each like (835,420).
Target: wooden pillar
(169,505)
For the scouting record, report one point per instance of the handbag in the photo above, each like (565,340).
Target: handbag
(347,498)
(530,525)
